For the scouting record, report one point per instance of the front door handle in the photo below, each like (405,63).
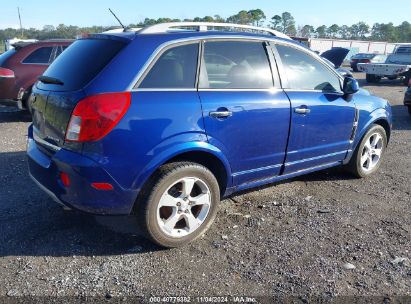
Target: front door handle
(302,110)
(221,114)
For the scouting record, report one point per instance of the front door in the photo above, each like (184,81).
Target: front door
(245,115)
(321,118)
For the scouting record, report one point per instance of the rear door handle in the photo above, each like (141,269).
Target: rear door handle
(221,114)
(302,110)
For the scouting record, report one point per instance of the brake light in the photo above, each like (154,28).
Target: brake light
(95,116)
(365,61)
(6,73)
(409,82)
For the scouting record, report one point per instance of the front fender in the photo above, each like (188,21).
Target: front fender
(366,120)
(176,150)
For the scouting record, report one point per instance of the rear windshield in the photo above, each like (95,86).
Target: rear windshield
(80,63)
(404,50)
(6,55)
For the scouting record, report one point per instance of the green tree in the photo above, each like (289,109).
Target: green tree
(344,32)
(257,16)
(321,31)
(307,31)
(241,18)
(333,30)
(276,23)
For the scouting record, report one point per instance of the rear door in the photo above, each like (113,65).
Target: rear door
(321,119)
(246,114)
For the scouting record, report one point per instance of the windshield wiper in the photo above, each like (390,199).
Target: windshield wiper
(50,80)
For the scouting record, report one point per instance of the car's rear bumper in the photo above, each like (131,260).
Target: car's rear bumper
(45,170)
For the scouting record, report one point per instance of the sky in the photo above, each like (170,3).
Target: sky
(37,13)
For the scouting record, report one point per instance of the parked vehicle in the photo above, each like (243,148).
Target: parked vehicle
(21,65)
(407,98)
(397,65)
(154,127)
(335,57)
(366,58)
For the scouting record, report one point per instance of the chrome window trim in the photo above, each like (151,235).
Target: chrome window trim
(274,90)
(164,90)
(136,80)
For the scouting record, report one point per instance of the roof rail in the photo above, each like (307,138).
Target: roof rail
(203,27)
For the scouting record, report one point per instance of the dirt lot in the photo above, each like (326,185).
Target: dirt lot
(293,238)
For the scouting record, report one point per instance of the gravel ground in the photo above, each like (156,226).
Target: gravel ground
(325,234)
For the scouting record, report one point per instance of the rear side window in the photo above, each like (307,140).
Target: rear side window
(39,56)
(304,72)
(175,69)
(235,65)
(5,56)
(81,62)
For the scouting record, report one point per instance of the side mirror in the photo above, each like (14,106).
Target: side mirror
(350,86)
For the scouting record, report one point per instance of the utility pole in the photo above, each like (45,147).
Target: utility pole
(21,27)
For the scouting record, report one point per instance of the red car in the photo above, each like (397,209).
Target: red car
(20,67)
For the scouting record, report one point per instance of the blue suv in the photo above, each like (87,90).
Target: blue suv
(163,122)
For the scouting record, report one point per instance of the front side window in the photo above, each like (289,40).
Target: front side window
(175,69)
(235,65)
(39,56)
(305,72)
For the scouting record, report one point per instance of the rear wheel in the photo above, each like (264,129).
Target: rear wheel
(371,78)
(26,100)
(406,79)
(178,204)
(368,155)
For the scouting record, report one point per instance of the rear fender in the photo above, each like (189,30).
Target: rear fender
(175,151)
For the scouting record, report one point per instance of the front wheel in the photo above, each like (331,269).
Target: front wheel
(178,204)
(367,157)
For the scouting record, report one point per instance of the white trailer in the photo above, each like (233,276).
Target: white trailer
(397,65)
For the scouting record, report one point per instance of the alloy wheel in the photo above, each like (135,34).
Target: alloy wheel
(183,207)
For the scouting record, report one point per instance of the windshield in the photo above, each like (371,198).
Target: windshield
(80,63)
(6,55)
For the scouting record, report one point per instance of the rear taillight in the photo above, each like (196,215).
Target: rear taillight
(95,116)
(409,83)
(6,73)
(365,61)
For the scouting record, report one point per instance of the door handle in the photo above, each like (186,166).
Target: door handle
(302,110)
(221,114)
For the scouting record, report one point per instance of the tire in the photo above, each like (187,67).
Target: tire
(406,80)
(370,78)
(25,100)
(363,164)
(164,211)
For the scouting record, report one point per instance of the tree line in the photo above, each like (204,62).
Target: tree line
(284,23)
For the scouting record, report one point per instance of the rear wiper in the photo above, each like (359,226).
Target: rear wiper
(50,80)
